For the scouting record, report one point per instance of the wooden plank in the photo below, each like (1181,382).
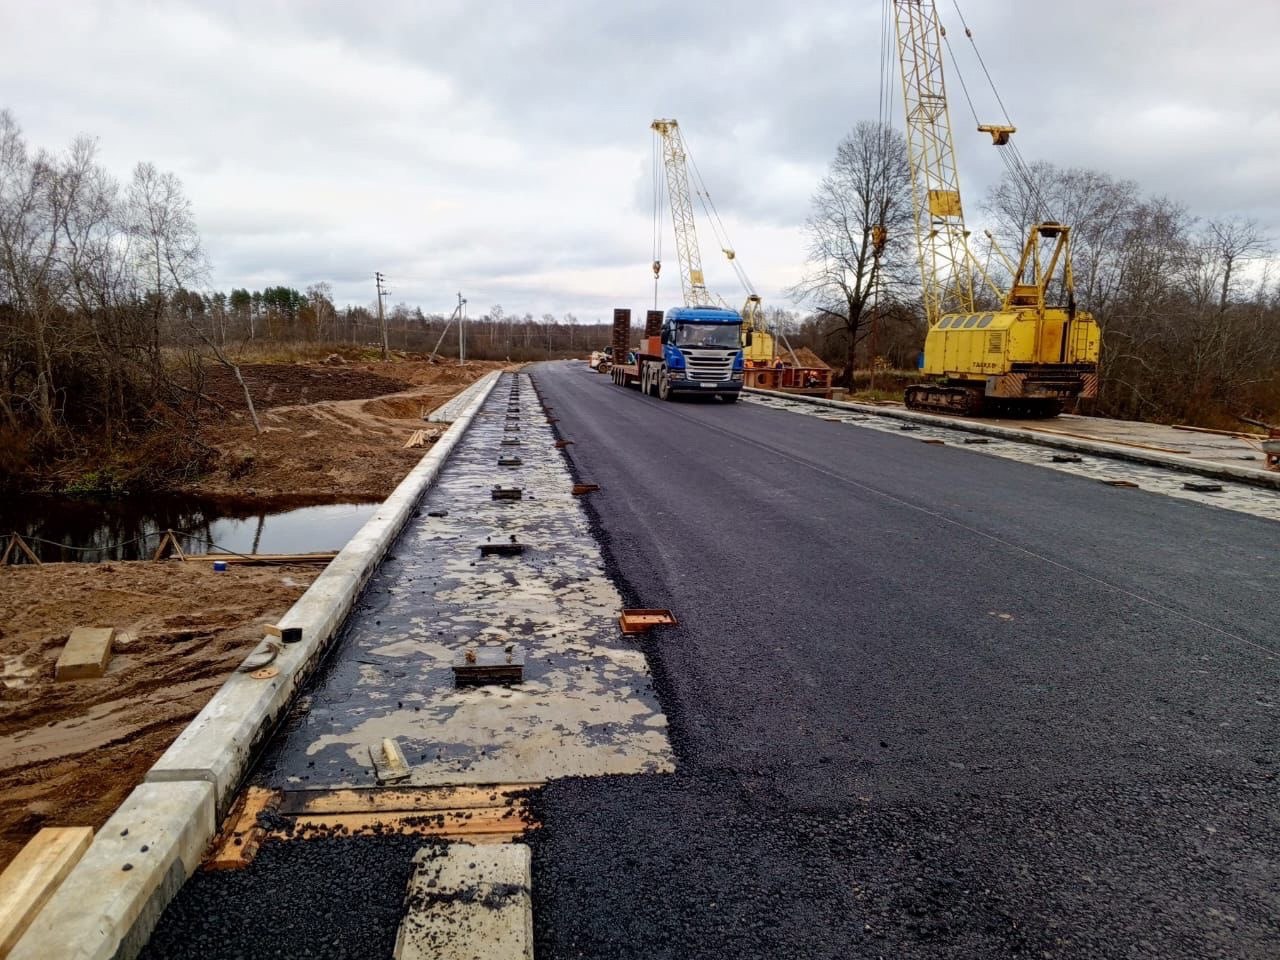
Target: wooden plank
(400,799)
(1097,439)
(505,825)
(30,880)
(237,844)
(323,557)
(86,655)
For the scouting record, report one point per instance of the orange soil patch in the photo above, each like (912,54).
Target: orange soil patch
(331,443)
(70,752)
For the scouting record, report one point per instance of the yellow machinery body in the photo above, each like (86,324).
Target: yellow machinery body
(1033,353)
(1011,353)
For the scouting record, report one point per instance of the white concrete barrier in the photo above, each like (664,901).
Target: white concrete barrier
(454,408)
(1204,468)
(218,744)
(110,902)
(105,909)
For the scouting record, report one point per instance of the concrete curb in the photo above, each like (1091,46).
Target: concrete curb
(453,409)
(110,902)
(103,910)
(1218,471)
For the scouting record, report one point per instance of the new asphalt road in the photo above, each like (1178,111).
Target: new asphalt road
(925,703)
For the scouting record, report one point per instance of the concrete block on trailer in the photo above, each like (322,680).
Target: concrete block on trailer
(109,903)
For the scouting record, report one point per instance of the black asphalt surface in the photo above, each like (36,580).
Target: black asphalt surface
(925,703)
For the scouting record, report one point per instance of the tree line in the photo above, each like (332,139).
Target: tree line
(1189,308)
(107,323)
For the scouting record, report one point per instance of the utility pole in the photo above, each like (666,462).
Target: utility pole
(382,320)
(462,330)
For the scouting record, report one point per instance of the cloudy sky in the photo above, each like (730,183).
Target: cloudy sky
(502,148)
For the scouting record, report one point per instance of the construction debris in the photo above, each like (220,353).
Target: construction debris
(389,764)
(86,655)
(643,620)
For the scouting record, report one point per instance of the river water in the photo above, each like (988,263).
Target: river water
(81,529)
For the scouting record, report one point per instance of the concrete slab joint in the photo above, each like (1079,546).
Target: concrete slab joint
(468,901)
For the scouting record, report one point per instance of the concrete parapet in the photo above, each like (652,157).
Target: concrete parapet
(110,902)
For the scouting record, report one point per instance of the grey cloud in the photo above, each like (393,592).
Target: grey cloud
(505,147)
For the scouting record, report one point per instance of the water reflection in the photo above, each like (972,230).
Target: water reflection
(74,529)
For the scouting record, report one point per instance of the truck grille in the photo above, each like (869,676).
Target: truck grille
(709,365)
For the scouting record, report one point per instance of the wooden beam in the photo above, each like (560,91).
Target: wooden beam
(237,844)
(400,799)
(30,880)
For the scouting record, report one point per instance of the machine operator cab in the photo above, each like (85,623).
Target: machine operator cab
(702,350)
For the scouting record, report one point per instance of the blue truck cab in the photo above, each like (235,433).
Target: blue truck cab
(701,352)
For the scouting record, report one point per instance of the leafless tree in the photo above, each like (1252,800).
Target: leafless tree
(866,190)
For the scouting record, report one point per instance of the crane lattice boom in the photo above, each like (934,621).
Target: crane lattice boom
(674,160)
(946,264)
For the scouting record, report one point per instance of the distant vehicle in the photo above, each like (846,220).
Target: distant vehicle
(600,359)
(697,350)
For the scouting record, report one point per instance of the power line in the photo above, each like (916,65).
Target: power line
(382,320)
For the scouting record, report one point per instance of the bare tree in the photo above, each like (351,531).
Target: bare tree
(859,234)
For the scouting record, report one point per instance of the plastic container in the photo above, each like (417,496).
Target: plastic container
(219,566)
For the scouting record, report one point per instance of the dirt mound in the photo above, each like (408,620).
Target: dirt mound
(341,447)
(71,751)
(290,384)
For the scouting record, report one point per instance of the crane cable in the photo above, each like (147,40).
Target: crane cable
(717,225)
(1010,155)
(659,182)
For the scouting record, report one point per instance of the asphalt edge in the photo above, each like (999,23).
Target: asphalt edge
(1217,471)
(109,903)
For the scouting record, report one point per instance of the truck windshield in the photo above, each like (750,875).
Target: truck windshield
(723,335)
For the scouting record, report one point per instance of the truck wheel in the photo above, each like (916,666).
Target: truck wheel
(664,386)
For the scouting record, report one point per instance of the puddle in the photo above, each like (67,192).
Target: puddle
(87,530)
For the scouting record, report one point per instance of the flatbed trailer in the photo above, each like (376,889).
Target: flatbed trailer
(663,366)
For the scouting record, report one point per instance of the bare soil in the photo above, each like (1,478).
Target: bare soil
(71,751)
(329,428)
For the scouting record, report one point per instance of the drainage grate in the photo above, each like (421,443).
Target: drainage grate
(508,549)
(508,493)
(509,461)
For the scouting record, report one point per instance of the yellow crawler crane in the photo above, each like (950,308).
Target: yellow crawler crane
(1027,357)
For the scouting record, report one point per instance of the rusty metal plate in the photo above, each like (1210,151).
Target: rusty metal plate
(266,673)
(642,620)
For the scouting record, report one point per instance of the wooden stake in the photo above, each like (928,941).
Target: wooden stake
(16,543)
(169,539)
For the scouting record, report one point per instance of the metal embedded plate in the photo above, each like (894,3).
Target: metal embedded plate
(642,620)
